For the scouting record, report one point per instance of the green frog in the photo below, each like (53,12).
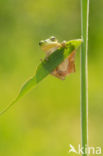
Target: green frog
(49,46)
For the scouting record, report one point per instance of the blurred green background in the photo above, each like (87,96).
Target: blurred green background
(47,120)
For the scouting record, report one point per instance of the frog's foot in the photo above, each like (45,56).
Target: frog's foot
(63,44)
(59,74)
(41,60)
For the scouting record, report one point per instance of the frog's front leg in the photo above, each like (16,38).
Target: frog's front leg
(48,54)
(63,44)
(41,60)
(46,58)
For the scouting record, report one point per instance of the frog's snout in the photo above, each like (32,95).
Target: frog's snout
(41,42)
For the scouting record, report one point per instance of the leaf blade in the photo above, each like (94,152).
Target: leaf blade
(46,67)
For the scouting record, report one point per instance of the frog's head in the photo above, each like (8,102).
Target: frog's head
(48,44)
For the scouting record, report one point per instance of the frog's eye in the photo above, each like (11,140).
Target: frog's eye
(41,43)
(53,38)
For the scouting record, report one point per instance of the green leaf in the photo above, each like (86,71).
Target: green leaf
(46,67)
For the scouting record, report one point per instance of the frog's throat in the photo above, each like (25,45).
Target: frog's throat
(51,47)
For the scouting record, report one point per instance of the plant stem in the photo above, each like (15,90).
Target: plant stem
(84,73)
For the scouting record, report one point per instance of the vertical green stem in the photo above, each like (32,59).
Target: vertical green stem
(84,74)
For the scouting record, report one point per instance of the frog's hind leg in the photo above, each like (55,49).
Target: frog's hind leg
(58,74)
(71,65)
(66,67)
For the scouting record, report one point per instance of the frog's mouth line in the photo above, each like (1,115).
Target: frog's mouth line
(47,47)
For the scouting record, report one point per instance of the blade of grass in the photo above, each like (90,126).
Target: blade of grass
(84,73)
(46,67)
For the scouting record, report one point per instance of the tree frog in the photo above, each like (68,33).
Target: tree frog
(49,46)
